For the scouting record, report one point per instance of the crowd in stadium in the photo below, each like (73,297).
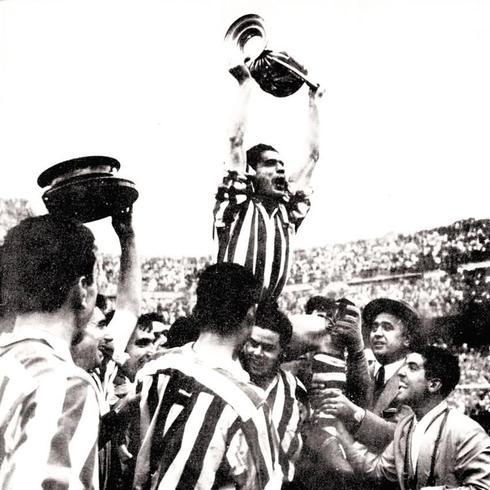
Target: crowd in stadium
(358,271)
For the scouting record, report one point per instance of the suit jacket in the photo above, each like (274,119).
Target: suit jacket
(378,426)
(462,459)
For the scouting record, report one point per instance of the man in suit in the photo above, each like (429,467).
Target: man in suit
(394,329)
(436,447)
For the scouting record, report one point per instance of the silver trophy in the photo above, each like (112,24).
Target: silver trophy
(276,72)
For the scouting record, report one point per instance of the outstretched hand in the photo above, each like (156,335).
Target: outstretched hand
(241,72)
(316,92)
(333,402)
(122,222)
(347,328)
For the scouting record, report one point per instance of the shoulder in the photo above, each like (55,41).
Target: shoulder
(462,426)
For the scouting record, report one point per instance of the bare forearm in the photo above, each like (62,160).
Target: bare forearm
(302,177)
(129,283)
(237,159)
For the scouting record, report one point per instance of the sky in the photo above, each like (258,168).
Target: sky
(405,122)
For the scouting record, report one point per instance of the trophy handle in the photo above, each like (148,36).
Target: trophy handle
(294,70)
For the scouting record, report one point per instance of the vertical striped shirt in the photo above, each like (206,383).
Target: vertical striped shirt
(284,397)
(248,235)
(202,428)
(48,415)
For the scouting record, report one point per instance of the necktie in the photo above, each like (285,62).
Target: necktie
(379,382)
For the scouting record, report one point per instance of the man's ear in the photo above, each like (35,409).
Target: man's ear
(82,286)
(434,385)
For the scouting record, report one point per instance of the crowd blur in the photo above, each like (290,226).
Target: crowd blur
(422,268)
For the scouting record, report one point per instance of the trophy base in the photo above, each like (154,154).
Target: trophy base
(90,199)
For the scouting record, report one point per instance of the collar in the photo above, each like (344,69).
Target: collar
(222,362)
(60,347)
(272,384)
(390,369)
(430,416)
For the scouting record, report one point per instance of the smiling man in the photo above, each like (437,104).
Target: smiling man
(286,396)
(258,209)
(394,329)
(437,446)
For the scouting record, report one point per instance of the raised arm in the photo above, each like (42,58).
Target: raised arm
(300,179)
(237,158)
(128,299)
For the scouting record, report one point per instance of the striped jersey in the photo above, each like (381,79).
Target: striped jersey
(285,395)
(202,428)
(248,235)
(120,328)
(48,415)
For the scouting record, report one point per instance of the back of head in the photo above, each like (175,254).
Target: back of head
(321,304)
(255,152)
(145,321)
(440,363)
(181,332)
(271,318)
(225,293)
(42,259)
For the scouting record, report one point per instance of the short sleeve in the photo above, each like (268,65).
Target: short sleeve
(232,193)
(298,207)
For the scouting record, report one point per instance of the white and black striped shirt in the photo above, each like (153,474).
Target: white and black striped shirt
(202,428)
(49,415)
(249,236)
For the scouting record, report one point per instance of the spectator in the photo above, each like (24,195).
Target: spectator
(436,446)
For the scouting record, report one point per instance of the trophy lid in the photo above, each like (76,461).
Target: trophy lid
(86,189)
(61,172)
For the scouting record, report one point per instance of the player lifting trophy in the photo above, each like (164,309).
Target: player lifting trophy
(260,205)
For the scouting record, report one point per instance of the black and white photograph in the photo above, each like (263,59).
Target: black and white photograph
(245,244)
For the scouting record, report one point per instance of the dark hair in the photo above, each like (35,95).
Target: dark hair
(225,293)
(42,259)
(255,152)
(145,321)
(320,303)
(271,318)
(181,332)
(101,302)
(440,363)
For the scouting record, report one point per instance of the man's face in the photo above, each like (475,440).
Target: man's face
(89,352)
(270,177)
(413,386)
(261,353)
(140,350)
(388,339)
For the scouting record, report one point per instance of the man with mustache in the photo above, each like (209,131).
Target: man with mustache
(258,210)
